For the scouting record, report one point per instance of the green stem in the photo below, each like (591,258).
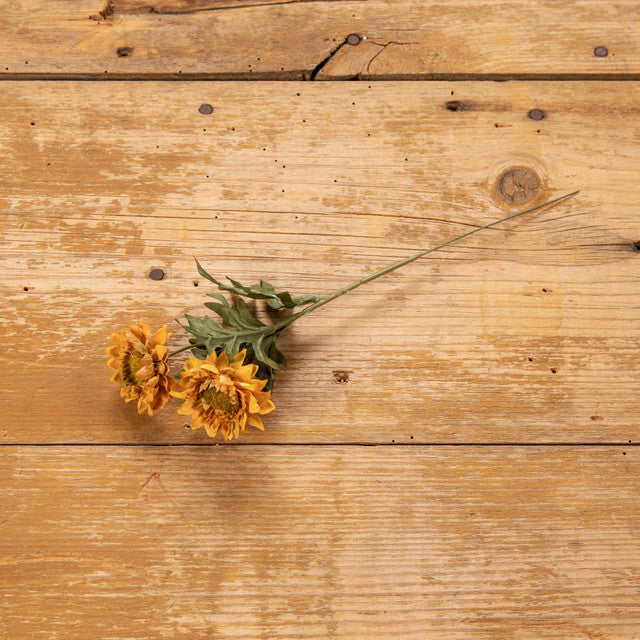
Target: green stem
(402,263)
(189,346)
(273,328)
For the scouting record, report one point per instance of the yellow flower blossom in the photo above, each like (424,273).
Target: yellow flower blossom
(222,395)
(141,368)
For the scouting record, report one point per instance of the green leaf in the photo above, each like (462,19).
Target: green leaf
(245,315)
(201,354)
(277,355)
(239,328)
(223,309)
(264,291)
(261,349)
(267,287)
(236,284)
(204,273)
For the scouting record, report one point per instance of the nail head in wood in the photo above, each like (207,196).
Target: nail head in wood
(601,52)
(206,109)
(124,52)
(156,274)
(537,114)
(353,39)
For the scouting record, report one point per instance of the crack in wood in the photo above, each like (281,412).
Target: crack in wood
(152,475)
(384,46)
(326,60)
(229,6)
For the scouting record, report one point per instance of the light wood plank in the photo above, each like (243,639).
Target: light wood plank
(308,39)
(527,333)
(334,542)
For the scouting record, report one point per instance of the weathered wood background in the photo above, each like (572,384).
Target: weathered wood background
(498,379)
(309,39)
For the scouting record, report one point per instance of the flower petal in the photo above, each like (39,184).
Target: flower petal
(160,337)
(222,361)
(256,421)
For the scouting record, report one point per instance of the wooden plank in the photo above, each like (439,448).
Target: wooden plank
(309,39)
(260,542)
(525,333)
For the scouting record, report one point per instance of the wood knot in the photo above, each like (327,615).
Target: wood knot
(341,377)
(456,105)
(518,185)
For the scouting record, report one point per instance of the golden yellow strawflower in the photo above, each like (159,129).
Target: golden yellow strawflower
(141,367)
(223,396)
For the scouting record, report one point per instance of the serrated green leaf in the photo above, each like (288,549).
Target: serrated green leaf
(219,309)
(222,309)
(277,355)
(274,303)
(302,300)
(220,297)
(264,291)
(267,287)
(203,272)
(235,290)
(264,373)
(260,350)
(286,299)
(245,315)
(236,284)
(232,345)
(237,316)
(198,326)
(239,328)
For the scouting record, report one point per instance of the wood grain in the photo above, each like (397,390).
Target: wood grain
(257,542)
(289,39)
(524,333)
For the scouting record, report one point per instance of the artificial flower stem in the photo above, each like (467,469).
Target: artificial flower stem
(402,263)
(189,346)
(279,326)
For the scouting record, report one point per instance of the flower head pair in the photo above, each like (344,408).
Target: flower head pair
(219,394)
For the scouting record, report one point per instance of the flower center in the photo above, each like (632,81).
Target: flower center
(219,401)
(132,366)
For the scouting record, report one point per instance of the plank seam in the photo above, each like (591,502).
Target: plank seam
(307,76)
(617,445)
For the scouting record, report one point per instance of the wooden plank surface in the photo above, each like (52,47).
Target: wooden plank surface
(525,333)
(309,39)
(413,543)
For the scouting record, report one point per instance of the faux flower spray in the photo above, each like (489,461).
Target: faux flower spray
(226,385)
